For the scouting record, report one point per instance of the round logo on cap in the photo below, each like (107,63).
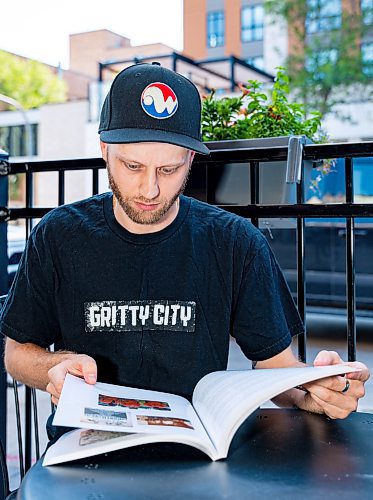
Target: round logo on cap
(158,100)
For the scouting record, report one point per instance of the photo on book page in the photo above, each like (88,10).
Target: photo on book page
(132,404)
(108,407)
(90,436)
(164,421)
(106,417)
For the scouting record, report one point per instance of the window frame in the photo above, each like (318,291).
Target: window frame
(367,64)
(319,22)
(213,18)
(366,12)
(15,140)
(253,28)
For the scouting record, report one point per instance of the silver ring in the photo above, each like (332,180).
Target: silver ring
(347,386)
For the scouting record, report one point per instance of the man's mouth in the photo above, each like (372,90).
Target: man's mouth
(146,206)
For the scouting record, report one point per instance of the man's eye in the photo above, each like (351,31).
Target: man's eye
(168,171)
(132,167)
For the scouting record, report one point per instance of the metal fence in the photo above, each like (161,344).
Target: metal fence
(202,185)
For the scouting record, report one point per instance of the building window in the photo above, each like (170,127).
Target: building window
(252,22)
(367,58)
(215,29)
(13,140)
(367,11)
(323,15)
(257,61)
(321,61)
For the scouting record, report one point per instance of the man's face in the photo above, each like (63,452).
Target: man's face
(147,178)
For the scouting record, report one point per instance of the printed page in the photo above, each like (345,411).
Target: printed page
(107,407)
(224,399)
(81,443)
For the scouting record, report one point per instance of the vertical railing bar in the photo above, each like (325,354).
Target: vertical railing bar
(61,201)
(19,430)
(61,187)
(94,181)
(210,189)
(254,193)
(350,265)
(36,422)
(28,417)
(254,187)
(301,278)
(206,167)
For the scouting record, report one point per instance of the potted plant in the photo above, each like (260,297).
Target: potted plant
(257,119)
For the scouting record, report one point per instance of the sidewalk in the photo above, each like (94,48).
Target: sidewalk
(237,361)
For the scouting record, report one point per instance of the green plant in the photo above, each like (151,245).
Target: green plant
(255,114)
(326,63)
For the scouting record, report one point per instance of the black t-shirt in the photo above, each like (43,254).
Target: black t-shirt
(155,310)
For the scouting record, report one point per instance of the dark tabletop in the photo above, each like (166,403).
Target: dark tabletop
(276,453)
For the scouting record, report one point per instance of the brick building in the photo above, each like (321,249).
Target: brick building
(216,28)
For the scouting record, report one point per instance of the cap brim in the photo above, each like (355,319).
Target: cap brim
(134,135)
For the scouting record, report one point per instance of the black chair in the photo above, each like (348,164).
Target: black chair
(24,449)
(5,491)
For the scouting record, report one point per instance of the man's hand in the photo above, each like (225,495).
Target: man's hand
(336,396)
(80,365)
(325,395)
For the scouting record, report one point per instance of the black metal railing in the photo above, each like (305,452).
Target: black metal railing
(202,185)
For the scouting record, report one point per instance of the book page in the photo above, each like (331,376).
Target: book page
(107,407)
(224,399)
(82,443)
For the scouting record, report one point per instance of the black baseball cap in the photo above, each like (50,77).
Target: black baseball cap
(150,103)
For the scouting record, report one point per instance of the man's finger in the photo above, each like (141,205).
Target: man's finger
(336,383)
(331,410)
(326,358)
(55,400)
(52,390)
(57,376)
(363,373)
(89,370)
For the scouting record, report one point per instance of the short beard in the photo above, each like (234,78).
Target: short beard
(136,215)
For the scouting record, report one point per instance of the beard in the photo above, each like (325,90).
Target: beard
(140,216)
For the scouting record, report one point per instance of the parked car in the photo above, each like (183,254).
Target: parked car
(325,244)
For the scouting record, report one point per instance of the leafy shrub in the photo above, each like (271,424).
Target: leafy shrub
(255,114)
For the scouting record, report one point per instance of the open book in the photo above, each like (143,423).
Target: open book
(111,417)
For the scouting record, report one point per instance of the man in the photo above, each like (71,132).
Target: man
(143,287)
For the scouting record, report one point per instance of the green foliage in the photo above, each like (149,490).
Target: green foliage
(29,82)
(327,62)
(253,114)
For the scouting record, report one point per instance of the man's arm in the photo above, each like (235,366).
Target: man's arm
(325,395)
(39,368)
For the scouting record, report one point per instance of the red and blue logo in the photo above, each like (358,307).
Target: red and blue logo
(158,100)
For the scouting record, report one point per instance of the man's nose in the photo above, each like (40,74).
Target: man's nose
(149,186)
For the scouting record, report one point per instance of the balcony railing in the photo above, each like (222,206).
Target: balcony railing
(202,184)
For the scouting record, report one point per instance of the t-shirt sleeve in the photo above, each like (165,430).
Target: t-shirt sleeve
(265,317)
(29,313)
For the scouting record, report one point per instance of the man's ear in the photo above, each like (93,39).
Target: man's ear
(104,150)
(192,155)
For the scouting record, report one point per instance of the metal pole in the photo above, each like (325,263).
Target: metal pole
(28,397)
(3,290)
(350,265)
(174,62)
(301,273)
(233,82)
(254,188)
